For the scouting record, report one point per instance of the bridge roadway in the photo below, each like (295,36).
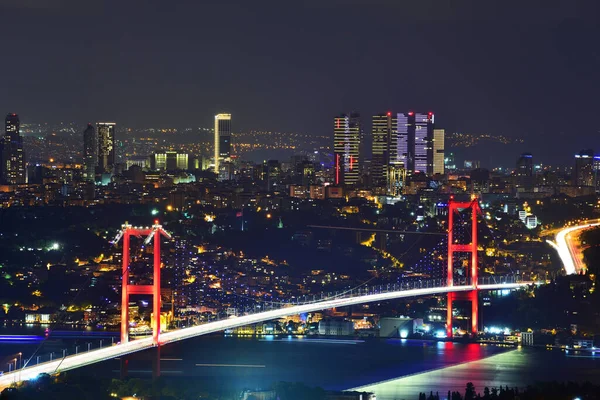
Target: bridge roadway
(119,350)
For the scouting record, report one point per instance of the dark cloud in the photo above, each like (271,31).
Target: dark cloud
(54,6)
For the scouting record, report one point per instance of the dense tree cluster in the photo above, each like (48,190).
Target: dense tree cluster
(541,391)
(91,388)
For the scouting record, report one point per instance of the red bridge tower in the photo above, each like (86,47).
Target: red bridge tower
(153,232)
(455,206)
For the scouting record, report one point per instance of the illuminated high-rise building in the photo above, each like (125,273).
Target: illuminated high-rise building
(90,153)
(438,152)
(583,173)
(524,171)
(525,165)
(13,156)
(421,140)
(106,146)
(402,149)
(346,147)
(222,139)
(414,146)
(596,169)
(384,149)
(403,140)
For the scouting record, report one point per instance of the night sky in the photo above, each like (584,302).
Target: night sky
(523,70)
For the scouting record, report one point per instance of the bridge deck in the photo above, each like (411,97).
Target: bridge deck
(95,356)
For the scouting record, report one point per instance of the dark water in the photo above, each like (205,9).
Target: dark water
(343,364)
(31,341)
(391,368)
(332,364)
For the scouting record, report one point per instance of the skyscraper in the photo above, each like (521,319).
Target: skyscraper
(420,135)
(525,165)
(90,153)
(524,172)
(106,146)
(404,141)
(13,156)
(583,173)
(346,147)
(438,152)
(222,139)
(384,135)
(596,168)
(403,153)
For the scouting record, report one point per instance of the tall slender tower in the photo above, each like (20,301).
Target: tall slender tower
(13,156)
(90,153)
(347,132)
(385,138)
(421,135)
(438,152)
(222,139)
(106,146)
(583,173)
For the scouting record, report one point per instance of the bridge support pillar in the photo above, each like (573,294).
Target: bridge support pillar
(449,315)
(471,297)
(474,312)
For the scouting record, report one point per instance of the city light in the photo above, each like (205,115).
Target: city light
(494,330)
(387,225)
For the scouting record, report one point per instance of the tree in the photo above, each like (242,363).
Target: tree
(494,393)
(470,391)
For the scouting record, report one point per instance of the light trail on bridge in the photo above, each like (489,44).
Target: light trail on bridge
(564,246)
(119,350)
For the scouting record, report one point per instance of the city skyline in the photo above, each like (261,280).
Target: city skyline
(469,148)
(470,96)
(325,199)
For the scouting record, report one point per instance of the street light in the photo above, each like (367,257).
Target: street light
(20,359)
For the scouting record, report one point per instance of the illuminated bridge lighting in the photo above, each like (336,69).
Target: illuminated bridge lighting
(107,353)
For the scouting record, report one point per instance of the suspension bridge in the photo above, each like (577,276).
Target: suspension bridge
(462,282)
